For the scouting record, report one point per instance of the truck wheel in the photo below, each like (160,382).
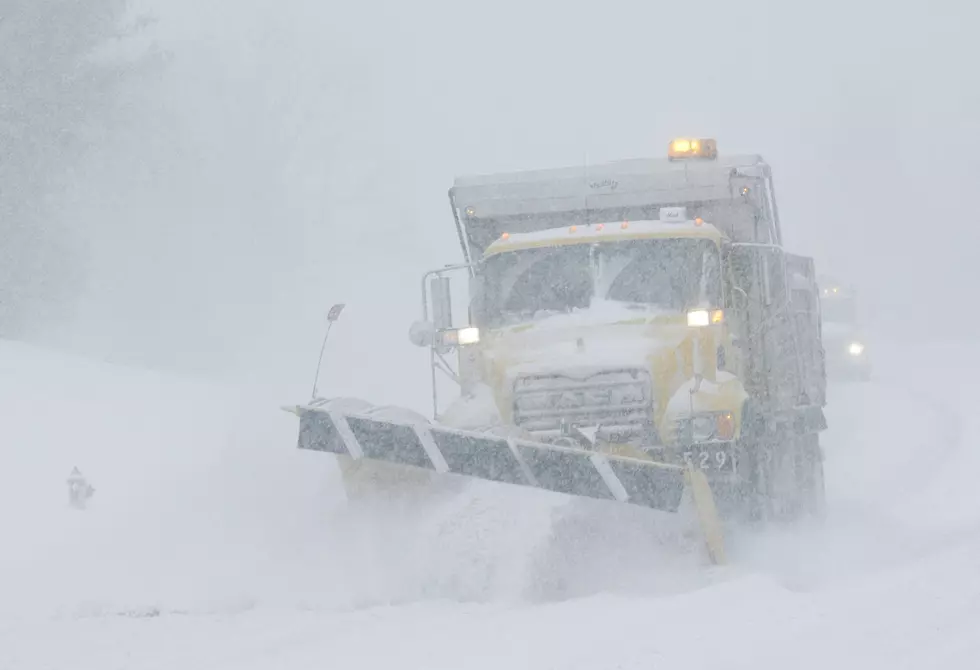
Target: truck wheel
(756,478)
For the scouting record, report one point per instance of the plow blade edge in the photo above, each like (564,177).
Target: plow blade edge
(571,471)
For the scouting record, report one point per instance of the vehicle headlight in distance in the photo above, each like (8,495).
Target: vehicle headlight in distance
(855,349)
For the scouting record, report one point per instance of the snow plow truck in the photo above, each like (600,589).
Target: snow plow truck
(635,332)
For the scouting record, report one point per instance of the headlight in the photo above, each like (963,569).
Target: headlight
(699,318)
(707,427)
(855,349)
(469,335)
(460,337)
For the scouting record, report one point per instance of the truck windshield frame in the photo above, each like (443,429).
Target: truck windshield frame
(652,275)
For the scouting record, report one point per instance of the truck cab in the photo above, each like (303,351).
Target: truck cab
(643,308)
(600,330)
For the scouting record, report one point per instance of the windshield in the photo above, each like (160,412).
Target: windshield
(667,276)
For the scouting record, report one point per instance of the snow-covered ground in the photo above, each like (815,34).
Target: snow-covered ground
(212,542)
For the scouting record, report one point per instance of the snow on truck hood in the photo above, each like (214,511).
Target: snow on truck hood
(604,336)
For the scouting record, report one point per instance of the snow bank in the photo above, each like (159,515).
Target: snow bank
(205,505)
(212,542)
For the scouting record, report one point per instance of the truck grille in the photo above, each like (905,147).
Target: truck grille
(618,400)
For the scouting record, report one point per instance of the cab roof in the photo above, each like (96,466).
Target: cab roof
(615,231)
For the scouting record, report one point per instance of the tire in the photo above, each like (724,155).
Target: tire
(784,474)
(754,495)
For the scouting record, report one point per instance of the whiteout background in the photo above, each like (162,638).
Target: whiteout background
(293,156)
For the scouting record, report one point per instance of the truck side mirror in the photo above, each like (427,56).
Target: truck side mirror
(422,334)
(442,303)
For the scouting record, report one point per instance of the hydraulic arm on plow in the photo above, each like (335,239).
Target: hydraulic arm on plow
(636,333)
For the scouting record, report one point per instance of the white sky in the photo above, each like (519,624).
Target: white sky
(296,154)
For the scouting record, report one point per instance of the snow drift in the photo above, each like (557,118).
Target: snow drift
(213,542)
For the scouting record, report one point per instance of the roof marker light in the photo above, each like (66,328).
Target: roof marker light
(573,229)
(684,147)
(698,221)
(600,226)
(505,236)
(624,225)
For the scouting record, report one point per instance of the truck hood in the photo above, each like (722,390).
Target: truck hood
(582,352)
(579,344)
(664,348)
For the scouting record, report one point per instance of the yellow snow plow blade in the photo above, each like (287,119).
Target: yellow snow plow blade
(432,449)
(704,503)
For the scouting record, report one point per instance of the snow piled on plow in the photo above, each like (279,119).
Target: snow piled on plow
(213,542)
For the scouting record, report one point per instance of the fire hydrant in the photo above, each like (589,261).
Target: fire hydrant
(79,490)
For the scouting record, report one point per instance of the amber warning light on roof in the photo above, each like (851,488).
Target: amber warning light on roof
(692,148)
